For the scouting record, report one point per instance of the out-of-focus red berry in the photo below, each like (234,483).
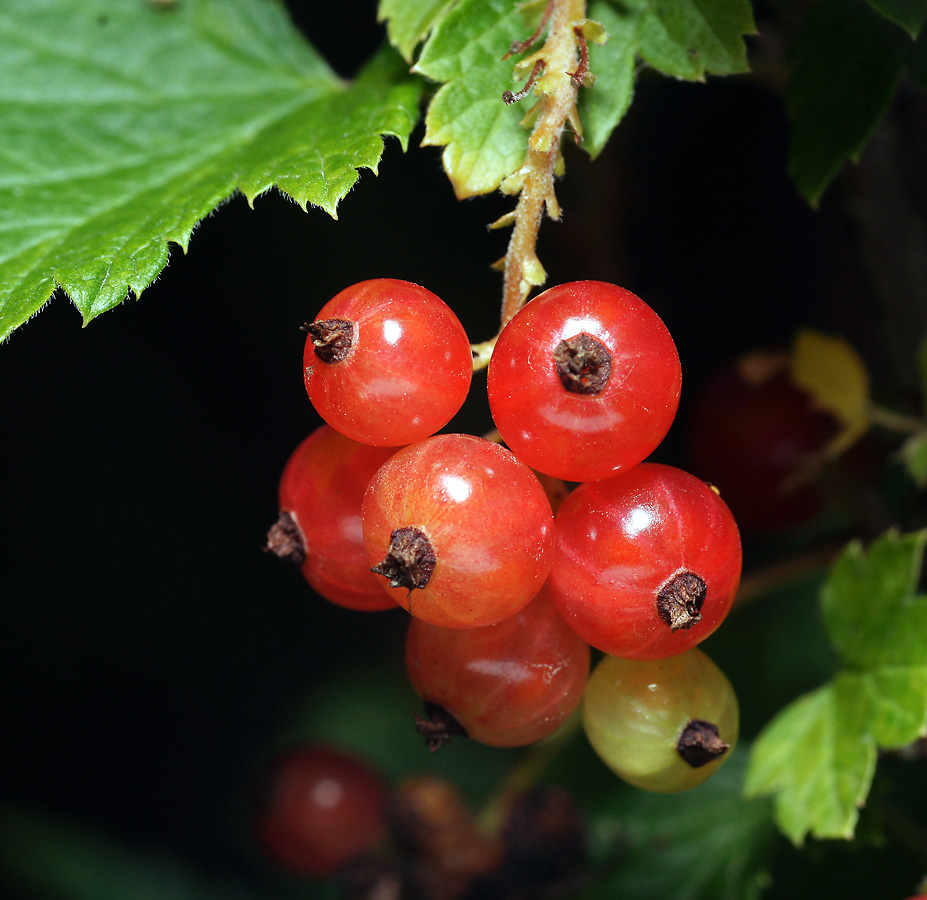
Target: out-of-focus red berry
(750,432)
(318,807)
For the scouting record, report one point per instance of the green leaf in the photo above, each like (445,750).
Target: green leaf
(482,137)
(57,859)
(913,454)
(409,22)
(690,38)
(124,125)
(909,14)
(848,63)
(683,40)
(705,844)
(871,607)
(603,106)
(836,378)
(818,756)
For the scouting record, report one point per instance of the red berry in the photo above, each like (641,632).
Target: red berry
(507,684)
(321,491)
(387,362)
(647,563)
(751,430)
(584,381)
(459,530)
(318,808)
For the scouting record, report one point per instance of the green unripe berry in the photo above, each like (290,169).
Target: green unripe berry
(664,725)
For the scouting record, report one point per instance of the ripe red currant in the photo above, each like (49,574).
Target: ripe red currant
(317,808)
(664,725)
(319,528)
(459,530)
(387,362)
(647,563)
(584,381)
(505,685)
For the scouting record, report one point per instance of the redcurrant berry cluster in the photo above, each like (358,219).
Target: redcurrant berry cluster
(641,562)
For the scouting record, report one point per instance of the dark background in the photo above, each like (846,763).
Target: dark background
(150,652)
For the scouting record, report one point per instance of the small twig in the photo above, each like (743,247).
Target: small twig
(520,46)
(510,97)
(894,421)
(578,76)
(565,48)
(764,580)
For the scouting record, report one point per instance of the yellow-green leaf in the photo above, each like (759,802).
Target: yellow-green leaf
(835,377)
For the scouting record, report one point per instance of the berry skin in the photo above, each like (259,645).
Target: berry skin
(317,809)
(664,725)
(459,530)
(319,529)
(647,563)
(584,381)
(505,685)
(387,362)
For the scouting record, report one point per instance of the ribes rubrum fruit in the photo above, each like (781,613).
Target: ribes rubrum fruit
(664,725)
(319,528)
(317,808)
(647,563)
(387,362)
(507,684)
(584,381)
(459,530)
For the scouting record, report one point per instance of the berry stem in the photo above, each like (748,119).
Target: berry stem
(563,56)
(894,421)
(527,772)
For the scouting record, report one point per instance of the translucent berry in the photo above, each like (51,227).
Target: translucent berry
(665,725)
(584,381)
(319,528)
(459,531)
(506,685)
(317,808)
(647,563)
(387,362)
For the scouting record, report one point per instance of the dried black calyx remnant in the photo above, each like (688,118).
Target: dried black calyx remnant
(583,363)
(700,743)
(285,539)
(439,727)
(332,339)
(409,561)
(680,600)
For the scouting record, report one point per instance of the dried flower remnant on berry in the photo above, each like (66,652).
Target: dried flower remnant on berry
(410,560)
(439,726)
(700,743)
(680,600)
(583,363)
(332,339)
(285,539)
